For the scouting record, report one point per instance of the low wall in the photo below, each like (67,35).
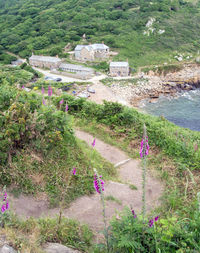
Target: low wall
(75,75)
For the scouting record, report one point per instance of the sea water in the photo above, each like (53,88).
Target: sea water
(184,110)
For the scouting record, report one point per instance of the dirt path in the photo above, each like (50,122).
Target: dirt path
(87,209)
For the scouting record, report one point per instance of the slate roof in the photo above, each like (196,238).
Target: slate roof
(45,58)
(99,46)
(119,64)
(90,47)
(75,67)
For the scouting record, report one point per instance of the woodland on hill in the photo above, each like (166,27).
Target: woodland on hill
(47,26)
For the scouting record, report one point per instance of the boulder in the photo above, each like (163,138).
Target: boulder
(58,248)
(7,249)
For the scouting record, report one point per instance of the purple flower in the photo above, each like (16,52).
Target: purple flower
(61,101)
(66,108)
(151,222)
(98,187)
(50,92)
(43,101)
(3,208)
(5,196)
(144,148)
(43,90)
(74,171)
(23,87)
(134,214)
(7,205)
(94,142)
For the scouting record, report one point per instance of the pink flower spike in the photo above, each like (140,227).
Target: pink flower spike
(3,208)
(66,108)
(23,87)
(74,171)
(7,205)
(61,101)
(94,142)
(50,92)
(5,196)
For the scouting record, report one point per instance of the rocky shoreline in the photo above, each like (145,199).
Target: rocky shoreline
(150,86)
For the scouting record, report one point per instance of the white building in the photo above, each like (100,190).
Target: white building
(119,68)
(90,52)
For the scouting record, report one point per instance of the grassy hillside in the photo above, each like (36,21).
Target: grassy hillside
(47,26)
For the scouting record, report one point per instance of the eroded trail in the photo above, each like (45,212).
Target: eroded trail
(88,209)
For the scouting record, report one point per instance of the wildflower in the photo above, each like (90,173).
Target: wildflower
(134,214)
(50,91)
(151,222)
(61,101)
(3,208)
(43,101)
(74,171)
(144,147)
(7,205)
(5,196)
(66,108)
(94,142)
(43,90)
(98,187)
(156,218)
(23,87)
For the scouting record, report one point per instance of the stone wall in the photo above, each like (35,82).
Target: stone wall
(43,64)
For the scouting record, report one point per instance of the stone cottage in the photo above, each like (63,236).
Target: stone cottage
(91,52)
(119,69)
(44,61)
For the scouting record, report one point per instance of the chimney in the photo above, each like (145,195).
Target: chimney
(56,56)
(102,42)
(127,59)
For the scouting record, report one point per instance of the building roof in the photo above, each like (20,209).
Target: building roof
(45,58)
(92,46)
(99,46)
(119,64)
(75,67)
(79,47)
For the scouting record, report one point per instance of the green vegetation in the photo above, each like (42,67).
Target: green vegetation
(46,27)
(29,235)
(38,148)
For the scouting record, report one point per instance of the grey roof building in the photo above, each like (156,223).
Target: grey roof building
(119,68)
(75,68)
(44,61)
(90,52)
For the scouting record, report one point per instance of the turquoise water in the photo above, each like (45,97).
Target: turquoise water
(183,111)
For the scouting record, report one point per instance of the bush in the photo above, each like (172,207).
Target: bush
(129,234)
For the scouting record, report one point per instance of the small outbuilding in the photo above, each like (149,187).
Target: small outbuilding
(119,69)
